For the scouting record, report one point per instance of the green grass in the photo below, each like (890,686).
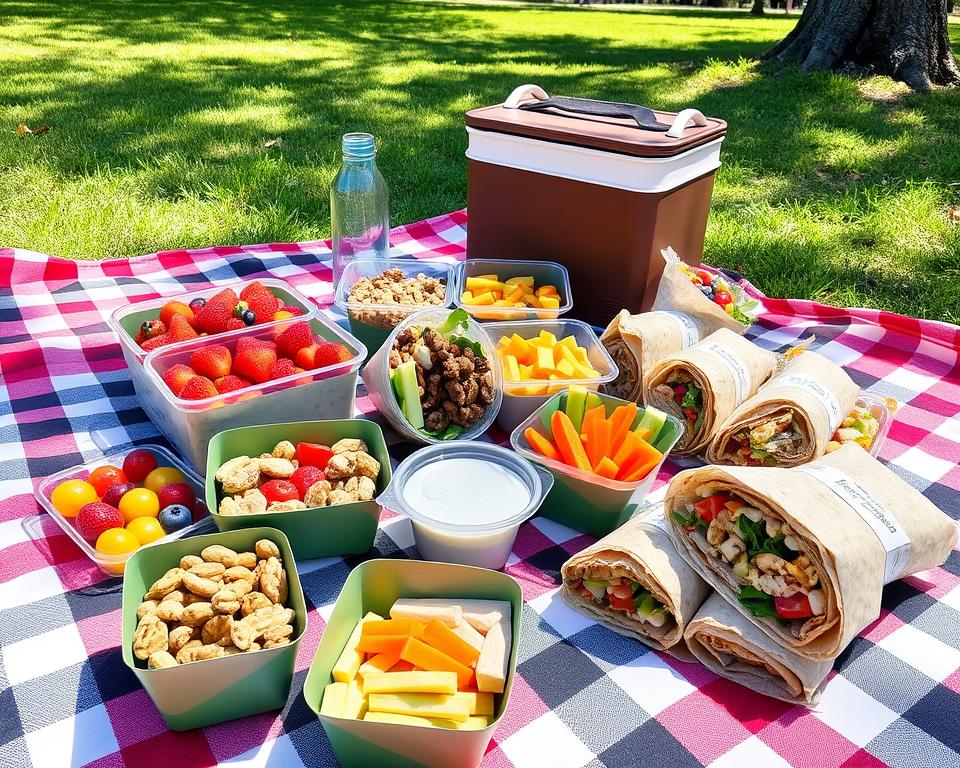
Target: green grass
(831,188)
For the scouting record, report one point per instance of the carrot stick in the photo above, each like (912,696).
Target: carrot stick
(568,442)
(621,420)
(606,468)
(541,444)
(629,448)
(599,441)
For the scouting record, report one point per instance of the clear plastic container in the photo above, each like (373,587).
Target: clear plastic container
(543,272)
(372,323)
(320,393)
(376,377)
(114,564)
(880,408)
(440,537)
(518,400)
(584,500)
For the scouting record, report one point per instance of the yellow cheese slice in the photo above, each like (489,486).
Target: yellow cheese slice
(334,697)
(494,658)
(479,703)
(420,704)
(355,703)
(474,723)
(410,682)
(350,660)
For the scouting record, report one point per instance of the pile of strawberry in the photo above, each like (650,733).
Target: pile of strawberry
(223,312)
(217,369)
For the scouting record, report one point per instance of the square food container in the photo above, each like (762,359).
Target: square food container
(320,393)
(584,500)
(880,408)
(372,323)
(345,529)
(114,564)
(374,586)
(518,404)
(215,690)
(543,272)
(125,320)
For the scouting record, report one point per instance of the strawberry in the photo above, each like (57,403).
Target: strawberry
(295,338)
(255,363)
(198,388)
(263,306)
(177,376)
(234,324)
(149,329)
(226,296)
(330,353)
(252,342)
(213,361)
(154,342)
(304,477)
(295,311)
(214,316)
(229,383)
(172,308)
(180,329)
(283,367)
(279,490)
(304,357)
(95,518)
(252,288)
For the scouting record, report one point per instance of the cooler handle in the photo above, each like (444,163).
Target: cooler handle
(684,118)
(523,91)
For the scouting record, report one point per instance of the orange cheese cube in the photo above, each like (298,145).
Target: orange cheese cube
(511,369)
(427,658)
(549,302)
(439,636)
(392,627)
(483,299)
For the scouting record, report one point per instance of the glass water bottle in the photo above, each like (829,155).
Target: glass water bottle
(359,205)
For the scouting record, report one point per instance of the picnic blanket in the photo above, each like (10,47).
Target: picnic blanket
(583,695)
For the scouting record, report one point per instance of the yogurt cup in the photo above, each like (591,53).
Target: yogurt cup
(466,500)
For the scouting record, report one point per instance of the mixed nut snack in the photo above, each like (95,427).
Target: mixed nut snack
(215,604)
(442,380)
(298,477)
(391,287)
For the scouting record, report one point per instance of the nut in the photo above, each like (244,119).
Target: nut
(286,506)
(207,570)
(231,650)
(146,607)
(277,643)
(273,580)
(161,660)
(367,465)
(266,548)
(250,628)
(149,637)
(240,573)
(253,601)
(284,450)
(170,581)
(349,444)
(273,467)
(277,632)
(180,636)
(196,614)
(216,629)
(190,599)
(338,496)
(217,553)
(198,585)
(239,474)
(240,587)
(169,610)
(177,595)
(341,466)
(317,494)
(248,560)
(226,601)
(198,652)
(188,561)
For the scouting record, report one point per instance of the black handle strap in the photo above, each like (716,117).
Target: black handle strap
(643,116)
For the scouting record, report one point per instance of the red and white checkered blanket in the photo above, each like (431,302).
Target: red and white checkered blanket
(583,696)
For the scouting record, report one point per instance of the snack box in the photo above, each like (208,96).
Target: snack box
(345,529)
(320,393)
(881,409)
(114,564)
(125,320)
(212,691)
(517,405)
(543,273)
(584,500)
(372,323)
(374,586)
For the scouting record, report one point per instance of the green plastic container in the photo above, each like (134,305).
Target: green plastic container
(215,690)
(584,500)
(374,586)
(346,529)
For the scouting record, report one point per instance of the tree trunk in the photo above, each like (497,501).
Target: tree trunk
(757,9)
(905,39)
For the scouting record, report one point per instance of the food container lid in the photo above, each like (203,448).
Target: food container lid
(360,268)
(629,129)
(498,516)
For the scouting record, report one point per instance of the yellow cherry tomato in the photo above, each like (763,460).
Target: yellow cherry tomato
(146,529)
(162,476)
(117,541)
(70,495)
(139,502)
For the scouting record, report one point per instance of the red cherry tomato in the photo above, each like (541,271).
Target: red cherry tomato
(313,455)
(710,507)
(103,477)
(279,490)
(722,297)
(705,277)
(794,607)
(621,603)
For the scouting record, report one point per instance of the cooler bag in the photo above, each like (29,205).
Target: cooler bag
(599,186)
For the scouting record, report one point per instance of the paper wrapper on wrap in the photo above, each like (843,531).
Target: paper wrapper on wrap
(677,292)
(642,551)
(724,641)
(816,392)
(636,342)
(723,389)
(849,556)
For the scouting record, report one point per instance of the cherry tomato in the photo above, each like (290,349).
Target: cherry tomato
(622,590)
(710,507)
(162,476)
(705,277)
(279,490)
(138,464)
(146,529)
(103,477)
(117,541)
(794,607)
(313,455)
(621,603)
(722,297)
(68,497)
(140,502)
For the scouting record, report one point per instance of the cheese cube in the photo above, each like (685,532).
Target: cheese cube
(495,658)
(511,368)
(466,632)
(350,659)
(420,705)
(410,682)
(479,703)
(354,703)
(544,358)
(381,662)
(395,719)
(427,609)
(566,369)
(334,698)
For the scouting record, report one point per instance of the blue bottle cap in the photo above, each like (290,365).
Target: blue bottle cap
(359,145)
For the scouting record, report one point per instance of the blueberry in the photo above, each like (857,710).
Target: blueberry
(174,517)
(248,317)
(197,304)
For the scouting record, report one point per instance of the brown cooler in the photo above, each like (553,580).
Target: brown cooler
(599,186)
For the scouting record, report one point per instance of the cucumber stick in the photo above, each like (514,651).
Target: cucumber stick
(404,381)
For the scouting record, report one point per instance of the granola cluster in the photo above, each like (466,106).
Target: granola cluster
(391,287)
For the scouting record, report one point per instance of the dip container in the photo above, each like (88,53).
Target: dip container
(320,393)
(543,273)
(374,586)
(518,403)
(584,500)
(376,377)
(114,564)
(212,691)
(372,323)
(344,529)
(485,544)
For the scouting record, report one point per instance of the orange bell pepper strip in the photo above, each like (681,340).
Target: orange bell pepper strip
(425,657)
(599,441)
(382,643)
(438,635)
(568,442)
(541,444)
(645,458)
(628,450)
(641,471)
(621,420)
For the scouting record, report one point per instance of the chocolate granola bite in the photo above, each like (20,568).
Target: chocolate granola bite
(391,288)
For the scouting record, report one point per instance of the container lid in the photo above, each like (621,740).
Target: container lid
(615,127)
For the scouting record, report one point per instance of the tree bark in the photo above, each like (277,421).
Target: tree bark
(905,39)
(757,9)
